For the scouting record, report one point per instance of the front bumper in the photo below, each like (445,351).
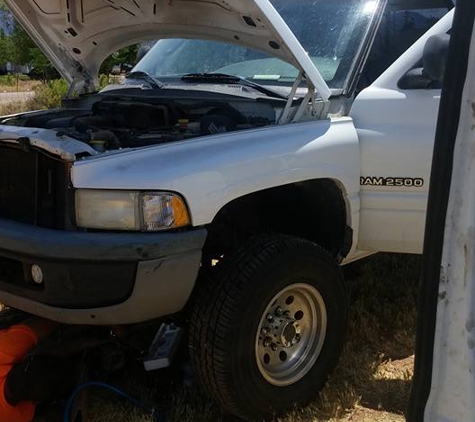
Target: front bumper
(98,278)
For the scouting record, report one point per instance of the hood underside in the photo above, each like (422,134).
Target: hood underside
(77,35)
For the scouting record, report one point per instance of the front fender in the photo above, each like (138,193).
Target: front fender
(212,171)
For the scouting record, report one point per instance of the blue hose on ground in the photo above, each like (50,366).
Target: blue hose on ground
(69,404)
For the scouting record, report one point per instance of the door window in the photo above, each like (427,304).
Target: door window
(403,23)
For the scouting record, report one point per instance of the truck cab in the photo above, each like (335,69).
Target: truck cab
(256,147)
(396,119)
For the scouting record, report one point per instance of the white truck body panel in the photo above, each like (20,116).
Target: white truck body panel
(65,147)
(396,131)
(453,388)
(211,172)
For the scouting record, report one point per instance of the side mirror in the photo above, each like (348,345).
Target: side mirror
(434,58)
(434,61)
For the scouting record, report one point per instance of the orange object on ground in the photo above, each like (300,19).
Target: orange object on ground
(15,343)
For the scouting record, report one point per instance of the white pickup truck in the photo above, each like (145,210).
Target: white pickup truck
(257,146)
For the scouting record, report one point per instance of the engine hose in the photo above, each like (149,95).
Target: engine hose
(156,416)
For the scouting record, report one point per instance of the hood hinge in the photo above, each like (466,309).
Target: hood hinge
(310,100)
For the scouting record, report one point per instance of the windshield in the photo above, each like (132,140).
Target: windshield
(330,31)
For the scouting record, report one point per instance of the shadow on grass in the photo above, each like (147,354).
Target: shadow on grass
(387,395)
(375,368)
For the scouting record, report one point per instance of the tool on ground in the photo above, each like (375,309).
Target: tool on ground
(163,348)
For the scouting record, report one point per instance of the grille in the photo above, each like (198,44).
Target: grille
(32,188)
(11,270)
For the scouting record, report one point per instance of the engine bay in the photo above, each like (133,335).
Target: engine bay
(118,123)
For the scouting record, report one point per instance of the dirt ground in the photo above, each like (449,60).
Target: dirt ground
(371,382)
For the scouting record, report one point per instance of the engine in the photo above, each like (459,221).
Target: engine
(110,124)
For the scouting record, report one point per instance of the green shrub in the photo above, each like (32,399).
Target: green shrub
(7,80)
(103,80)
(49,95)
(12,79)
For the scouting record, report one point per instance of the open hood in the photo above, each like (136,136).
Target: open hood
(77,35)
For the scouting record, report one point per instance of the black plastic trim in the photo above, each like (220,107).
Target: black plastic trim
(442,166)
(27,240)
(347,242)
(70,284)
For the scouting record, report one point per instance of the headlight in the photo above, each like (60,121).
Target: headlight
(133,211)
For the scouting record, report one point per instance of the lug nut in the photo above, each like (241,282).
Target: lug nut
(295,340)
(265,330)
(279,311)
(267,342)
(270,317)
(287,314)
(275,347)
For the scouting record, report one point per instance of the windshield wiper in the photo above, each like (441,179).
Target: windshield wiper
(223,78)
(140,74)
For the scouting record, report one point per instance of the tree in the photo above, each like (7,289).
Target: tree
(126,55)
(4,47)
(21,45)
(41,65)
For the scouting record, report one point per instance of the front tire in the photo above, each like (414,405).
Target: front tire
(268,326)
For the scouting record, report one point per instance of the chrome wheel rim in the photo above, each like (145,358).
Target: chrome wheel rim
(291,334)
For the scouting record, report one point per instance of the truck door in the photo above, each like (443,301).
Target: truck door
(443,388)
(396,118)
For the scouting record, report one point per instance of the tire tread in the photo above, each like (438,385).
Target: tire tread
(216,302)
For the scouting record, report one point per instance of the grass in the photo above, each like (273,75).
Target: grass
(17,83)
(371,382)
(46,96)
(14,107)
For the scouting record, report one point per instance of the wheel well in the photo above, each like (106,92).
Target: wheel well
(313,210)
